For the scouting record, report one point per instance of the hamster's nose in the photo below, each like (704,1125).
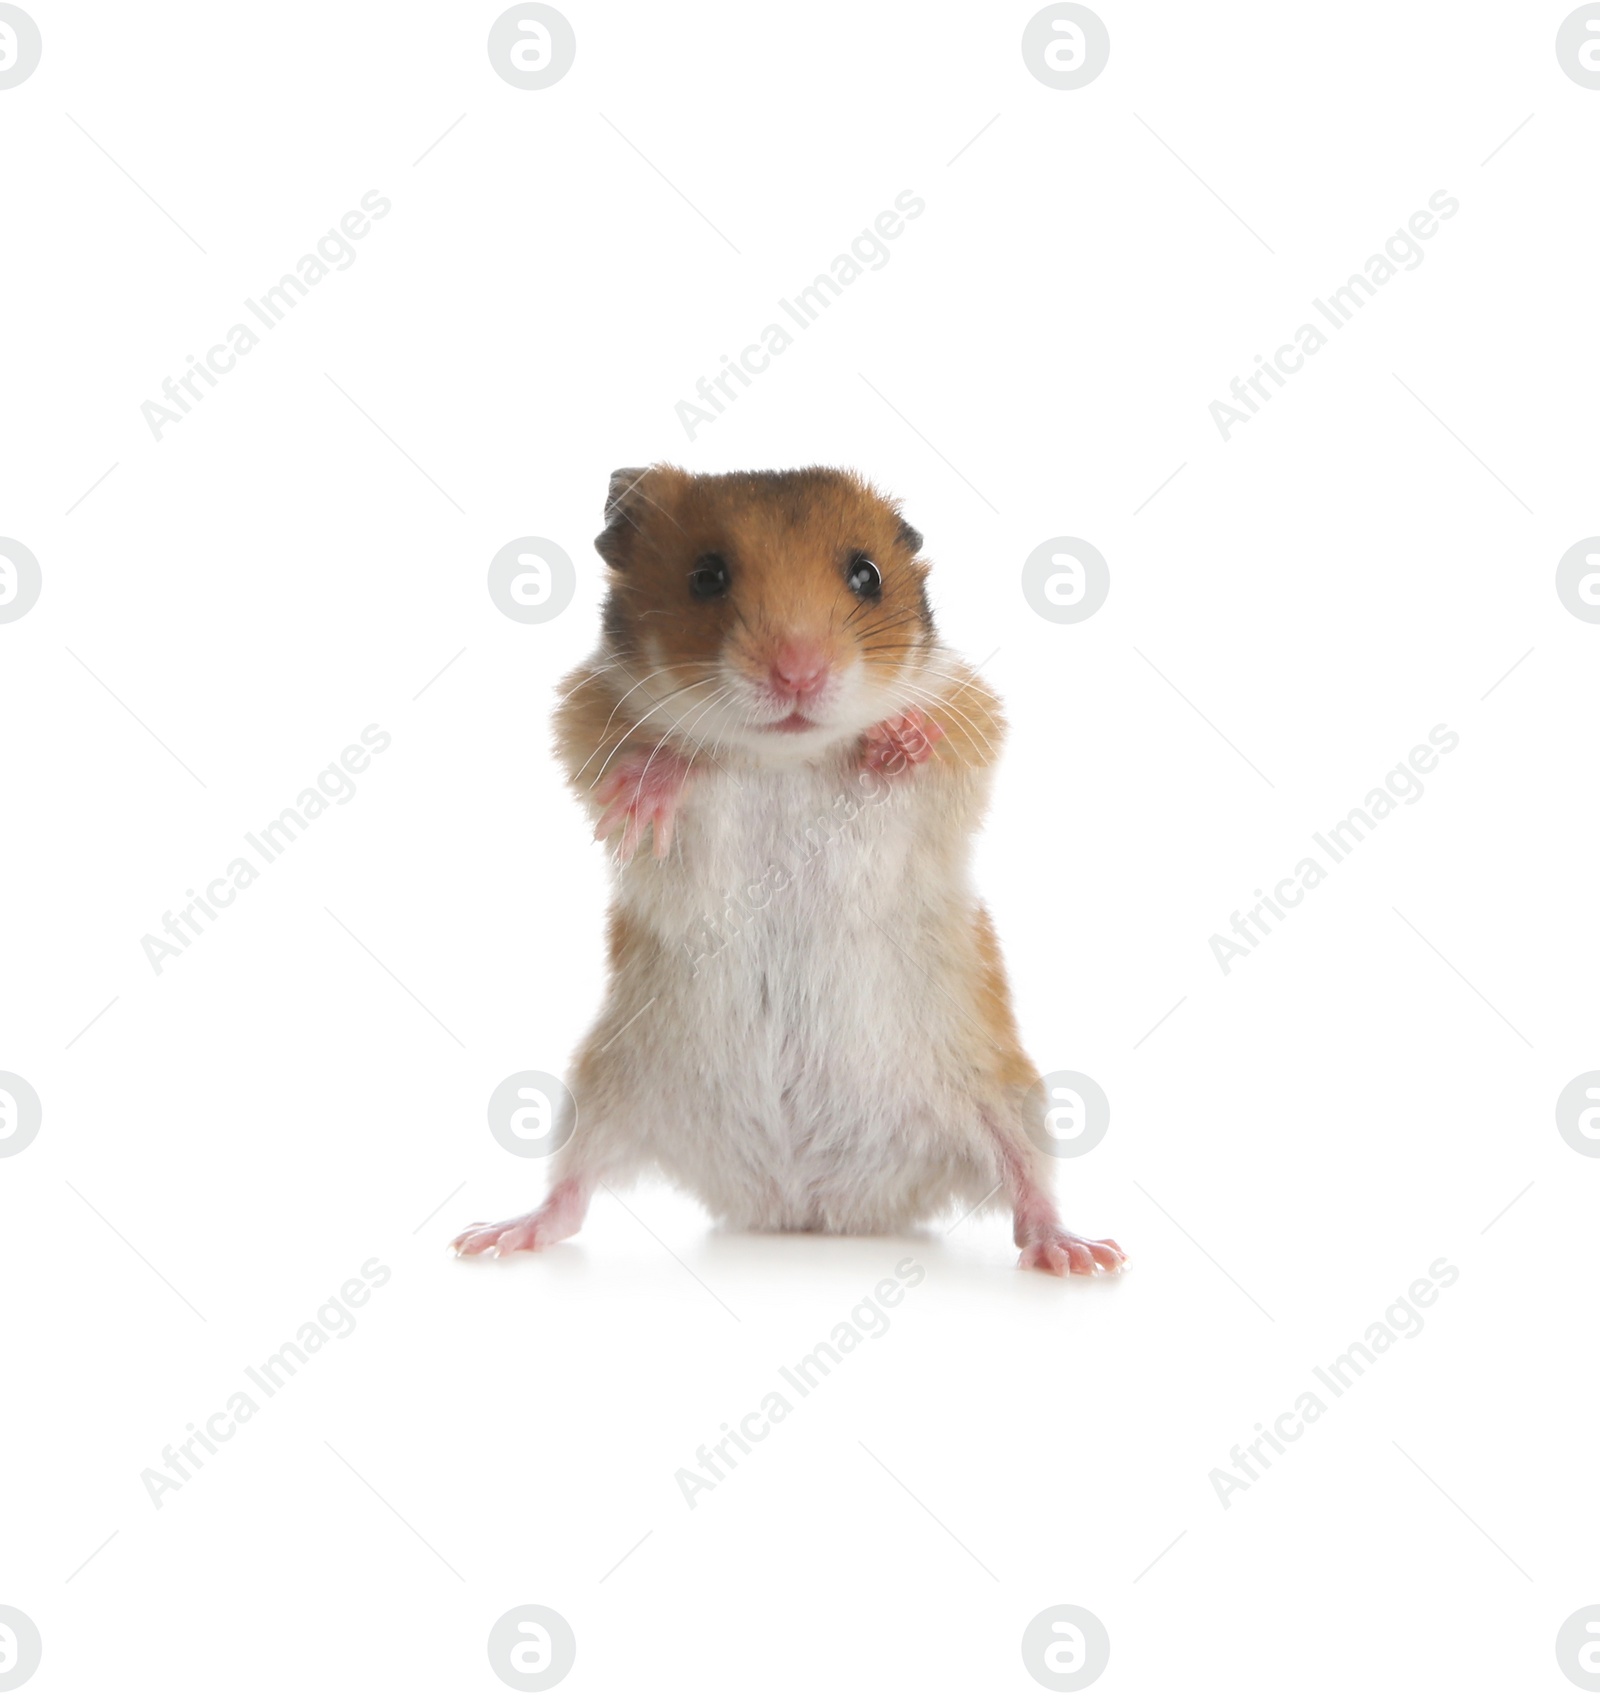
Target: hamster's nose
(799,669)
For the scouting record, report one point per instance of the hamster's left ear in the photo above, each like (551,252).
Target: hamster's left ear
(911,537)
(621,501)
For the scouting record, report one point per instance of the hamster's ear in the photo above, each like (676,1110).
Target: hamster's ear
(623,484)
(911,537)
(623,501)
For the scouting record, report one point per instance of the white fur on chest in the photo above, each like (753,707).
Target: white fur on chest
(789,844)
(804,1047)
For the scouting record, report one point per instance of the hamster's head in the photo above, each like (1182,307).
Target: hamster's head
(778,612)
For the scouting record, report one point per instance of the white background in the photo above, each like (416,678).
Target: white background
(1358,1098)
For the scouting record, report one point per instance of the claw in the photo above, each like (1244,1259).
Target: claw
(1059,1251)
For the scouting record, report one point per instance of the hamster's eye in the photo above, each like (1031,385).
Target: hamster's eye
(864,578)
(710,578)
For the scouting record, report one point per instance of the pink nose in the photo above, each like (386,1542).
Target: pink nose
(799,668)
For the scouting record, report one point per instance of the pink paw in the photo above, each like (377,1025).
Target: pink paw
(902,742)
(1059,1251)
(531,1231)
(557,1217)
(642,789)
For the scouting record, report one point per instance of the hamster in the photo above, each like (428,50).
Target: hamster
(807,1023)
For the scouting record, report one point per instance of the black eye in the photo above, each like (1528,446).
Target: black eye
(709,579)
(864,578)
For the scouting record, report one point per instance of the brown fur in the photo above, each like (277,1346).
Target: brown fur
(918,716)
(787,538)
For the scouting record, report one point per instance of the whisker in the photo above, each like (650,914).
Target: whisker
(965,719)
(715,743)
(893,622)
(939,708)
(937,699)
(600,743)
(639,787)
(617,747)
(590,673)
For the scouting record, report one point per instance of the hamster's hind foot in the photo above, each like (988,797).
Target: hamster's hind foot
(1056,1250)
(557,1217)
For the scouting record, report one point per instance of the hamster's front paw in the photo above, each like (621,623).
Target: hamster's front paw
(1056,1250)
(898,743)
(643,788)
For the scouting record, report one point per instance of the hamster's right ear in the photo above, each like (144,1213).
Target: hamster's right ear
(625,498)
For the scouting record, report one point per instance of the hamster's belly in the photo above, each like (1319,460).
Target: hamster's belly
(816,1051)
